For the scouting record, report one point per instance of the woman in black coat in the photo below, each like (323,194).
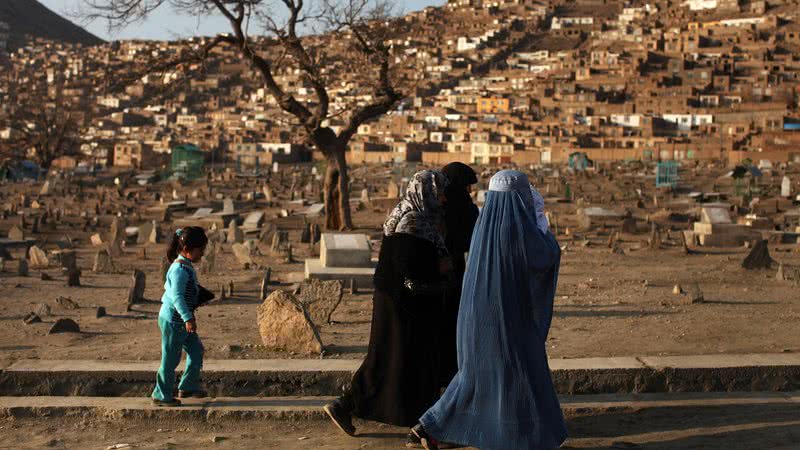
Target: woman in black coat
(460,217)
(398,380)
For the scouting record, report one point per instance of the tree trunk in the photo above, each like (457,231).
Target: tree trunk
(337,191)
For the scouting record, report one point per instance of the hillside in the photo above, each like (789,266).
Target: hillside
(31,18)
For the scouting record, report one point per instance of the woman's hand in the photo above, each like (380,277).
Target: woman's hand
(191,326)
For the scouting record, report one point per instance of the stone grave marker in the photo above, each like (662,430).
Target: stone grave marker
(320,298)
(16,233)
(242,253)
(38,258)
(285,325)
(136,290)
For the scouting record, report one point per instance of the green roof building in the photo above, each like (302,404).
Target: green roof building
(187,161)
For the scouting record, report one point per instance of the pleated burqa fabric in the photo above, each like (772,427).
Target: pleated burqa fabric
(503,396)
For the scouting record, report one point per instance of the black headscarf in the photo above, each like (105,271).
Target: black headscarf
(460,212)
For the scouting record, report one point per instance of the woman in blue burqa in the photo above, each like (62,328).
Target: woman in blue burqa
(503,396)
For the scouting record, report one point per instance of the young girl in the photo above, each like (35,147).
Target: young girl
(177,321)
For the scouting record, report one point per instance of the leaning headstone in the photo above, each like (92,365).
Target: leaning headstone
(38,258)
(235,234)
(16,233)
(320,298)
(96,240)
(209,261)
(265,284)
(285,325)
(144,233)
(279,241)
(103,263)
(136,291)
(65,326)
(242,253)
(759,257)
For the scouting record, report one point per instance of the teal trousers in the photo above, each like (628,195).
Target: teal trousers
(174,339)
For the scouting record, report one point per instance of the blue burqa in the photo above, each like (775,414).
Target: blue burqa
(503,396)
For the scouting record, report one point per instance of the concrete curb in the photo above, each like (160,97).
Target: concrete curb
(315,377)
(309,408)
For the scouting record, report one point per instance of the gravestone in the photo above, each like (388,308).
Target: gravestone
(285,325)
(345,250)
(65,326)
(136,290)
(145,230)
(254,220)
(392,190)
(22,267)
(320,298)
(267,193)
(234,235)
(73,277)
(155,234)
(16,233)
(228,206)
(265,284)
(103,262)
(759,257)
(38,258)
(242,253)
(714,216)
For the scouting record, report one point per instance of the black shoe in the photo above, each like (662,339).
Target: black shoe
(340,416)
(412,441)
(173,402)
(427,442)
(195,394)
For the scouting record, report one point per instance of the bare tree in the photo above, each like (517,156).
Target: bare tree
(42,130)
(364,25)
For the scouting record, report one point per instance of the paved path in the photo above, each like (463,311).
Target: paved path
(251,408)
(336,365)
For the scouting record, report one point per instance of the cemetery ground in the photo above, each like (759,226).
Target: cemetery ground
(631,290)
(607,304)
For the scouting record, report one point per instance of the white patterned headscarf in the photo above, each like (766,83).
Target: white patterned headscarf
(420,211)
(538,206)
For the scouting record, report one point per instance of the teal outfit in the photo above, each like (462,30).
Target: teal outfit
(178,303)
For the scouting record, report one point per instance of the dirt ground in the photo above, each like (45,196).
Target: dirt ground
(738,427)
(607,304)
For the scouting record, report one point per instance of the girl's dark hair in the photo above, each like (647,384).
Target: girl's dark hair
(186,238)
